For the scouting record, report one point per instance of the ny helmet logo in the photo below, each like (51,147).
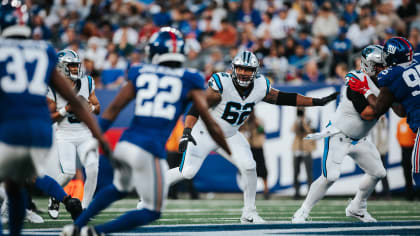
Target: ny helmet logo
(174,46)
(392,49)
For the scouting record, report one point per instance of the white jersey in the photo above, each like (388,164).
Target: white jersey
(70,127)
(346,118)
(233,109)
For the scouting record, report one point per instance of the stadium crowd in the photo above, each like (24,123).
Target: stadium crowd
(300,41)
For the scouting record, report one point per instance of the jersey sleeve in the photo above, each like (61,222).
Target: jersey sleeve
(51,94)
(133,73)
(91,82)
(195,79)
(385,78)
(358,100)
(215,83)
(52,56)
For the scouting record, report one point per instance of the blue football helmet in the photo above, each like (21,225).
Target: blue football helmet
(397,50)
(14,19)
(166,45)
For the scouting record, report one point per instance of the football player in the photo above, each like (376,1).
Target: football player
(399,84)
(232,97)
(26,69)
(161,90)
(346,135)
(73,138)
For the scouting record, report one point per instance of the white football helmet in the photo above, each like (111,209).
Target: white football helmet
(372,61)
(245,59)
(65,58)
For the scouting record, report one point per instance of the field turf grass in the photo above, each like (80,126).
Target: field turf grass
(220,216)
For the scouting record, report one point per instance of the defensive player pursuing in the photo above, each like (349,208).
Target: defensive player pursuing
(161,91)
(26,69)
(232,98)
(346,135)
(73,138)
(399,83)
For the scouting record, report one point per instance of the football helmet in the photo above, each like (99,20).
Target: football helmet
(372,61)
(397,50)
(68,57)
(166,45)
(14,19)
(247,60)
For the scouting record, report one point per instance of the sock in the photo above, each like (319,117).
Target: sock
(2,193)
(128,221)
(316,193)
(91,170)
(17,210)
(50,187)
(103,199)
(173,176)
(366,187)
(250,188)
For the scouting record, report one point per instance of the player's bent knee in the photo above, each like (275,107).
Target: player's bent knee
(333,176)
(381,173)
(188,173)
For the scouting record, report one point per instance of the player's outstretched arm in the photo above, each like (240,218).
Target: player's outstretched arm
(293,99)
(200,103)
(63,87)
(94,105)
(126,94)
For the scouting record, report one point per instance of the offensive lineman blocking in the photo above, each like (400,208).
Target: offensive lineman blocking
(232,98)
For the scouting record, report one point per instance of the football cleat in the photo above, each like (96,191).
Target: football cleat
(73,206)
(251,217)
(300,216)
(53,208)
(90,231)
(359,213)
(70,230)
(32,217)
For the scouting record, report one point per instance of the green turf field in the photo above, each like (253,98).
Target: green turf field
(226,209)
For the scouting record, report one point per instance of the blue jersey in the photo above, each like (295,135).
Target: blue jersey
(404,83)
(161,97)
(25,70)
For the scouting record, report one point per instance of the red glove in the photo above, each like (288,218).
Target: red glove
(359,86)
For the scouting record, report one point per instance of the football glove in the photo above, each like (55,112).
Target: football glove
(324,100)
(186,137)
(359,86)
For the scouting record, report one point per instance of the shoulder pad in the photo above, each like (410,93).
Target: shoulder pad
(357,74)
(215,82)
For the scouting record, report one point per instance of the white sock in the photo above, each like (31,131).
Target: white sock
(366,187)
(173,176)
(3,193)
(250,188)
(316,192)
(91,170)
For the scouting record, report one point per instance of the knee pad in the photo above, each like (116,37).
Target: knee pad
(380,173)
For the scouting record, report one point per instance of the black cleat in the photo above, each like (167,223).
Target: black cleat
(73,206)
(53,208)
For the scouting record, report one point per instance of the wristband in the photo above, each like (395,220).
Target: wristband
(63,112)
(367,93)
(104,124)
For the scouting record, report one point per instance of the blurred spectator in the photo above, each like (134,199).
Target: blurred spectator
(414,38)
(406,137)
(320,53)
(312,73)
(146,31)
(113,72)
(275,64)
(282,26)
(248,14)
(192,49)
(253,129)
(225,37)
(340,72)
(380,139)
(341,48)
(302,149)
(162,16)
(361,34)
(326,23)
(307,14)
(350,14)
(233,7)
(407,11)
(303,39)
(96,52)
(215,62)
(385,18)
(125,34)
(263,29)
(38,23)
(299,59)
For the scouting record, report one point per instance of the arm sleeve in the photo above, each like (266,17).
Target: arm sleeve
(288,99)
(358,100)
